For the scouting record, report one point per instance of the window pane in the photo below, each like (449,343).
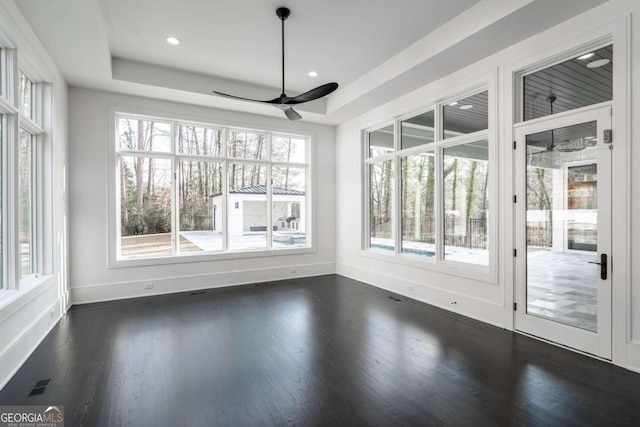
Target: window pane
(466,115)
(200,200)
(381,205)
(199,141)
(579,82)
(286,149)
(289,207)
(418,204)
(145,206)
(381,141)
(417,130)
(247,206)
(247,145)
(25,183)
(466,203)
(144,135)
(25,97)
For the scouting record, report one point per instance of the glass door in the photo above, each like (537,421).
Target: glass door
(563,230)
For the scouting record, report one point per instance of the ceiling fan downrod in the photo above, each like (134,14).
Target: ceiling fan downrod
(283,102)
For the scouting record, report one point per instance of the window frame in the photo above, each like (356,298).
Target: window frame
(13,122)
(488,273)
(548,62)
(115,260)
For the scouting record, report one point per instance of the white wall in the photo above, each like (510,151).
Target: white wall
(491,301)
(29,313)
(92,279)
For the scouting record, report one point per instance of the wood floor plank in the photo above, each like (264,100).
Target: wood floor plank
(318,351)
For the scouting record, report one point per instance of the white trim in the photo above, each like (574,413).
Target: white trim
(469,306)
(179,284)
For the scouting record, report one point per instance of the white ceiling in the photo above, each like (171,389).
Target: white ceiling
(373,48)
(241,39)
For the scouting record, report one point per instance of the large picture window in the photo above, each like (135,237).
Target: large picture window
(194,189)
(428,184)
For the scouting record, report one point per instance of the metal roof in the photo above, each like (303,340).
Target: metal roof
(262,189)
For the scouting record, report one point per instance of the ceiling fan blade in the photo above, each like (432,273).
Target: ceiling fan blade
(292,114)
(316,93)
(239,98)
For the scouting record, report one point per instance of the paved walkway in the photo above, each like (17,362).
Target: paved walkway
(562,286)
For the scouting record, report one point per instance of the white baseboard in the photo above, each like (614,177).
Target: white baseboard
(633,356)
(16,353)
(163,286)
(475,308)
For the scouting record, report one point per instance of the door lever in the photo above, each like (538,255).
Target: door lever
(603,266)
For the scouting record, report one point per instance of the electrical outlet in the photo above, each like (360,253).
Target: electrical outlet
(293,270)
(412,289)
(148,285)
(52,314)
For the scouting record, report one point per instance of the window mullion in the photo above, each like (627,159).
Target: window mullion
(36,198)
(225,190)
(269,196)
(439,183)
(12,219)
(397,209)
(225,206)
(397,184)
(175,200)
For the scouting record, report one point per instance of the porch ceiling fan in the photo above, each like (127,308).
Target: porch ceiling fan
(283,102)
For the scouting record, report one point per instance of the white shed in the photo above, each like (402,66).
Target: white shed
(248,210)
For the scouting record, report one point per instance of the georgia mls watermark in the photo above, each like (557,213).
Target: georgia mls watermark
(32,416)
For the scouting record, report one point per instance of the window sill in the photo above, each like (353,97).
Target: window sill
(188,258)
(470,271)
(12,300)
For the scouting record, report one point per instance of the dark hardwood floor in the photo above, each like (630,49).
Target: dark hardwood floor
(318,351)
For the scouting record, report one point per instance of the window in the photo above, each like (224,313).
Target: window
(28,189)
(466,202)
(381,205)
(189,189)
(584,80)
(25,95)
(466,115)
(418,204)
(26,203)
(21,259)
(428,184)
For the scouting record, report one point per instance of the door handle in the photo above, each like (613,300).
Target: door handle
(603,266)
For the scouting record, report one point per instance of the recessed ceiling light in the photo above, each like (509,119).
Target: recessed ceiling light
(312,74)
(466,107)
(586,56)
(173,40)
(454,103)
(598,63)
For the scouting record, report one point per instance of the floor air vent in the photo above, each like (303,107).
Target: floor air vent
(395,299)
(196,293)
(39,388)
(260,284)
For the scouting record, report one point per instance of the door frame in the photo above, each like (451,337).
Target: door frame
(600,343)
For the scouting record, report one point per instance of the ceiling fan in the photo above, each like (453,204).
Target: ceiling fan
(283,102)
